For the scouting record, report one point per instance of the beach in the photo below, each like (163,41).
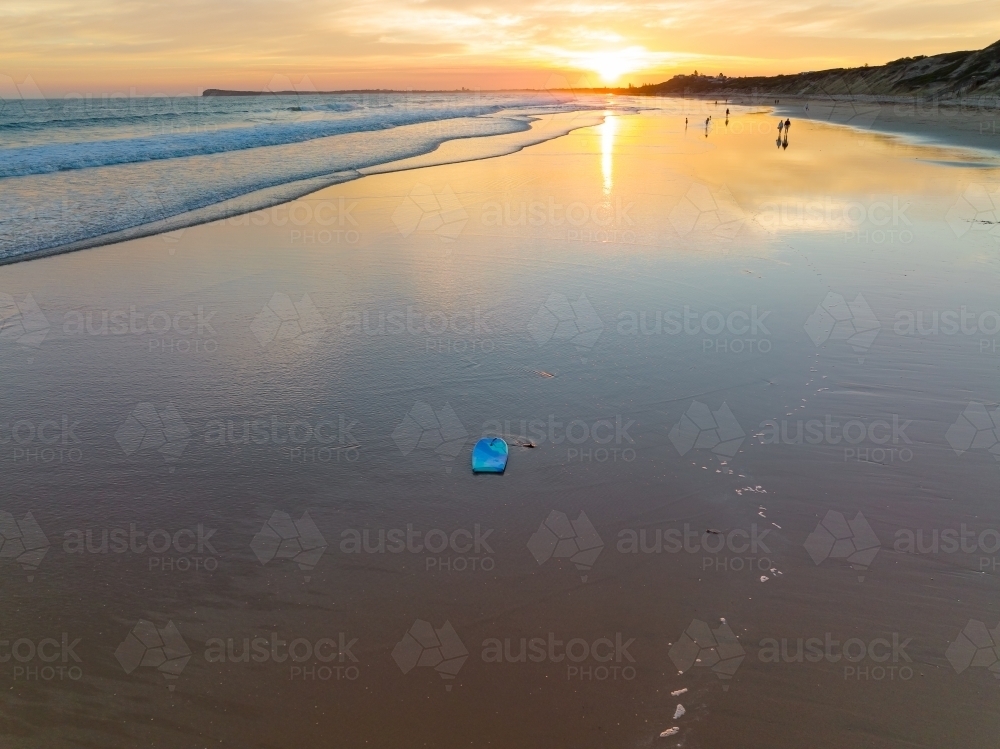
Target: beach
(749,384)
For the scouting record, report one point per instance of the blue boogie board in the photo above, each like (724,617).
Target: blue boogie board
(489,455)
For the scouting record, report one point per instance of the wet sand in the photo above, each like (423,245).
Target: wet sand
(656,309)
(972,124)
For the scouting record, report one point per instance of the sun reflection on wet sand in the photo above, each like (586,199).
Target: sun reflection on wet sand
(608,130)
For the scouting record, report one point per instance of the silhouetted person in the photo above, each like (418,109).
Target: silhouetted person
(781,126)
(727,111)
(788,124)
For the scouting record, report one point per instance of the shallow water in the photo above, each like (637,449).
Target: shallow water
(80,172)
(655,309)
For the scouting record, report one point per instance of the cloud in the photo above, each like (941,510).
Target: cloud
(376,41)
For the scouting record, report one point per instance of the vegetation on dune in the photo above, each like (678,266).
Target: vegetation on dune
(950,75)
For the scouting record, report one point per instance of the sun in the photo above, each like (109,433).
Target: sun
(612,65)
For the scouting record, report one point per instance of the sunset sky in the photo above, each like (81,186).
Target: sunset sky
(104,46)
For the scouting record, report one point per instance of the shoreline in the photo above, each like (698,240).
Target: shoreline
(935,128)
(948,125)
(286,193)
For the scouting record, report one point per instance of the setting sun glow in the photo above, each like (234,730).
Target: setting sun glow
(434,44)
(611,66)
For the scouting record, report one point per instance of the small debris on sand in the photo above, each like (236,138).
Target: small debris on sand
(679,712)
(670,732)
(519,443)
(542,373)
(678,692)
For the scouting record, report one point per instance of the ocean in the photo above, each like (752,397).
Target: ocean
(81,172)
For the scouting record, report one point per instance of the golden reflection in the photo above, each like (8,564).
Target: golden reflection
(608,130)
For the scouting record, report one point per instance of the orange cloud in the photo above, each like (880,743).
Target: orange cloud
(101,46)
